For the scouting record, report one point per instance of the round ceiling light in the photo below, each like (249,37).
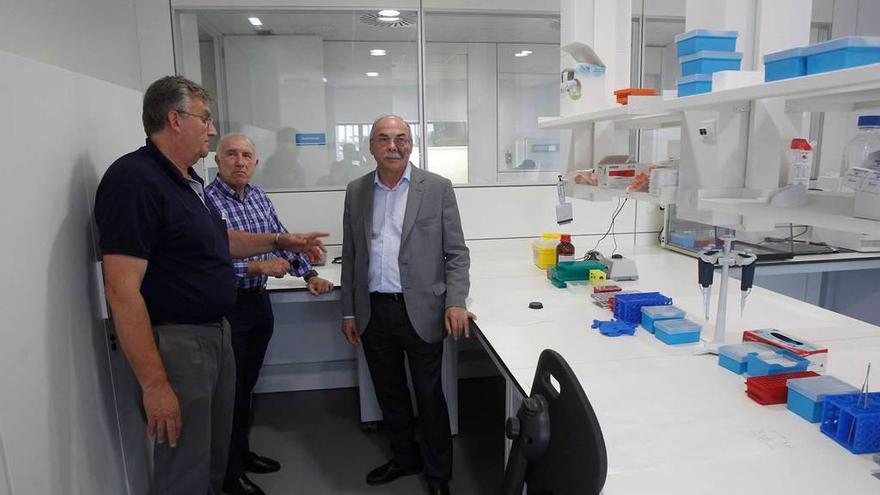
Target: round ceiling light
(389,13)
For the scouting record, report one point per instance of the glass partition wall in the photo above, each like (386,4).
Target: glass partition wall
(306,85)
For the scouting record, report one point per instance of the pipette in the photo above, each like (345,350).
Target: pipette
(747,261)
(706,267)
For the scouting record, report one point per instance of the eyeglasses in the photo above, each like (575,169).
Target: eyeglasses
(398,141)
(207,120)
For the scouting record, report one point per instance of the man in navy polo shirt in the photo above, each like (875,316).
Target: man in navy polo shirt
(169,280)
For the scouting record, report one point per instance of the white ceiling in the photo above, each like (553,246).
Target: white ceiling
(347,26)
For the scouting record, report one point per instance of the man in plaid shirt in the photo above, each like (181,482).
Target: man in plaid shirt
(247,208)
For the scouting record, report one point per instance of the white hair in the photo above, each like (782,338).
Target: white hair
(231,135)
(389,116)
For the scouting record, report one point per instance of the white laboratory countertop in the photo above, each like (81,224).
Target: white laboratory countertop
(674,422)
(501,289)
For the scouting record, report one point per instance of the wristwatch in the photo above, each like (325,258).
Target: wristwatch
(309,275)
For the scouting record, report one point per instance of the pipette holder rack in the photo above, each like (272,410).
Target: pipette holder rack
(853,420)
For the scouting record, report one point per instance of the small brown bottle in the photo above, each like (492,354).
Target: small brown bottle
(565,249)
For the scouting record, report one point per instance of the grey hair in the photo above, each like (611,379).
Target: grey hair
(389,116)
(167,94)
(227,137)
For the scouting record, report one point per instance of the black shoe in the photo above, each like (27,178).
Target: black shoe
(442,489)
(242,486)
(386,473)
(260,465)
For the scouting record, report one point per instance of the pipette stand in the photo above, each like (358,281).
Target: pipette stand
(724,258)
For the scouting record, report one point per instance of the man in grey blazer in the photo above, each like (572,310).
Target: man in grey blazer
(404,284)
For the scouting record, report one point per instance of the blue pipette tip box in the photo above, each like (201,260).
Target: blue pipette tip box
(653,314)
(774,362)
(806,396)
(734,357)
(674,332)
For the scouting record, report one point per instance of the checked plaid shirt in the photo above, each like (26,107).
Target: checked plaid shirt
(254,214)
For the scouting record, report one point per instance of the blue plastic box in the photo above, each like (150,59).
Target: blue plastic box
(807,395)
(707,62)
(842,53)
(694,85)
(734,356)
(653,314)
(705,39)
(785,64)
(853,422)
(774,362)
(674,332)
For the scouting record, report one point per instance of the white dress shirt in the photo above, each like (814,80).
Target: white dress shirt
(389,207)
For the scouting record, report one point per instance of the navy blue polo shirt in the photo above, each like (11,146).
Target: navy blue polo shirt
(145,208)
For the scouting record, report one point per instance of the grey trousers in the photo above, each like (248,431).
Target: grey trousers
(201,369)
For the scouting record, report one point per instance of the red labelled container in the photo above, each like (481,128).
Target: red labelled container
(772,389)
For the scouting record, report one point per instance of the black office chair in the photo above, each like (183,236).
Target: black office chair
(558,446)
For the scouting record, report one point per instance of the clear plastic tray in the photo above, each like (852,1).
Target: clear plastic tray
(817,387)
(738,352)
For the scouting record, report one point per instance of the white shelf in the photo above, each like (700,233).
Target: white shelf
(842,90)
(595,193)
(827,210)
(638,106)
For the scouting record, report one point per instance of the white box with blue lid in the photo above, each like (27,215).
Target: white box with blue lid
(734,356)
(652,314)
(842,53)
(785,64)
(807,395)
(674,332)
(705,39)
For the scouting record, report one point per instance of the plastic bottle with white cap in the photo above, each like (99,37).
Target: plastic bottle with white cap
(863,150)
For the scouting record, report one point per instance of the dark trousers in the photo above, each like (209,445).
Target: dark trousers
(252,324)
(388,338)
(200,367)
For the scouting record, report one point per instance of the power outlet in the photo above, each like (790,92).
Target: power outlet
(706,131)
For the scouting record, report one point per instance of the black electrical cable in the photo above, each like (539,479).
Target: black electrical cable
(611,226)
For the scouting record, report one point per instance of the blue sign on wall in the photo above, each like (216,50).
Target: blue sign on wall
(311,139)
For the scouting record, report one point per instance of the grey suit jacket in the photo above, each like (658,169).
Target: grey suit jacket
(433,259)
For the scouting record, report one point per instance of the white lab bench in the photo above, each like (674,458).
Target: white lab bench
(675,422)
(308,351)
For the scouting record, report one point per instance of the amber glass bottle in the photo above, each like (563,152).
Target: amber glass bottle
(565,249)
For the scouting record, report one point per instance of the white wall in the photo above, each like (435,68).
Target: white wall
(71,105)
(87,36)
(61,433)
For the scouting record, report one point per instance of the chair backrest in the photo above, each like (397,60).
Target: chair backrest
(576,461)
